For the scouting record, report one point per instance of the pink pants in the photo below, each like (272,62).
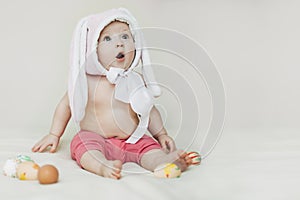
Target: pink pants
(111,148)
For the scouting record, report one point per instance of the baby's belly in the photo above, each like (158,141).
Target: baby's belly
(119,122)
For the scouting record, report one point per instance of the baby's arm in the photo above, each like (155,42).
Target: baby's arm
(60,120)
(156,128)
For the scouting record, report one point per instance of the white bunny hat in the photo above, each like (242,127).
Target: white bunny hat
(130,87)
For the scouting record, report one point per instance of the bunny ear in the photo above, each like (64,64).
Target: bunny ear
(77,86)
(148,72)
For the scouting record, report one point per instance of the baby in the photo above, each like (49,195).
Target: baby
(116,109)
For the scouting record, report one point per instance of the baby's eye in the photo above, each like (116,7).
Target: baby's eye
(106,38)
(125,36)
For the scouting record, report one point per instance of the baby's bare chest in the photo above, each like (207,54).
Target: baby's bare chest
(101,94)
(99,90)
(103,107)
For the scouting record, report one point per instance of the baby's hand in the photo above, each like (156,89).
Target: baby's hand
(167,143)
(48,140)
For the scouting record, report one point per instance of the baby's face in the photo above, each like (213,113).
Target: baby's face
(116,46)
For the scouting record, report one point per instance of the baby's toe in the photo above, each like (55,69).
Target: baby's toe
(188,160)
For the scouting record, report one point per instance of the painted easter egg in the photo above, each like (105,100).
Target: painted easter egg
(23,158)
(196,158)
(27,170)
(10,166)
(167,170)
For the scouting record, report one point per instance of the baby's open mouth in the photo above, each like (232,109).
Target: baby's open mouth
(120,56)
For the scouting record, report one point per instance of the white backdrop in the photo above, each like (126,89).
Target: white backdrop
(255,45)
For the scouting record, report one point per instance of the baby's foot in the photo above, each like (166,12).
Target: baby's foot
(182,160)
(177,162)
(111,169)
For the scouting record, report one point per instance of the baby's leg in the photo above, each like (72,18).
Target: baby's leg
(94,161)
(156,157)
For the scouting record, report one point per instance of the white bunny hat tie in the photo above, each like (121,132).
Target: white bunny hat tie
(129,86)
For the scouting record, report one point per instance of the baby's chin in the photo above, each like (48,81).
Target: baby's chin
(120,65)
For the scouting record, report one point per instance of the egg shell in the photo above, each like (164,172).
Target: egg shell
(167,170)
(27,170)
(9,168)
(48,174)
(196,158)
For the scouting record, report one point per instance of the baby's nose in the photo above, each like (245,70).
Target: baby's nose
(119,43)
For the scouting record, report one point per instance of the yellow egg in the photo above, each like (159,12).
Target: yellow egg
(27,170)
(167,170)
(48,174)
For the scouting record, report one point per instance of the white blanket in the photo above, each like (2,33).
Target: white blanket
(244,165)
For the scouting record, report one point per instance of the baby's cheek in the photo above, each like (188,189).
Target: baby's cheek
(104,58)
(130,46)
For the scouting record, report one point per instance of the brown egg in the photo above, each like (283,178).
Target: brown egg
(48,174)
